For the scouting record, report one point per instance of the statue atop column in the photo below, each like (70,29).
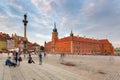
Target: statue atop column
(25,38)
(25,24)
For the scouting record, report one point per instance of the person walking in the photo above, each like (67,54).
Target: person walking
(16,57)
(40,58)
(62,56)
(44,54)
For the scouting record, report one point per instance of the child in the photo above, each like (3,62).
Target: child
(19,59)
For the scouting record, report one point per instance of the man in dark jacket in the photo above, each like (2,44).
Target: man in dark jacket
(40,58)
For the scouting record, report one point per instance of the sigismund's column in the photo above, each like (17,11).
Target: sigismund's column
(25,38)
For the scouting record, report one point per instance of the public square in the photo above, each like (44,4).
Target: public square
(79,37)
(86,67)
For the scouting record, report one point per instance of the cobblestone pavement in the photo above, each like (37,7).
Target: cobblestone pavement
(86,67)
(91,67)
(113,76)
(36,72)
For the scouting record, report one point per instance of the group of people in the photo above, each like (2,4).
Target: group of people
(17,59)
(30,60)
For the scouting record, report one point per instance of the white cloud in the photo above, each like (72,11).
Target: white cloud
(42,6)
(36,2)
(13,3)
(88,10)
(78,33)
(11,30)
(39,38)
(3,17)
(63,21)
(20,7)
(95,18)
(116,43)
(42,36)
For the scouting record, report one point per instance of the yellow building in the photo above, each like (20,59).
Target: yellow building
(3,45)
(3,41)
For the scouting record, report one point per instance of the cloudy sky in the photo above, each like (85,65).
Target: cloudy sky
(99,19)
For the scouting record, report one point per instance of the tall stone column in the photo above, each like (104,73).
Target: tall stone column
(25,38)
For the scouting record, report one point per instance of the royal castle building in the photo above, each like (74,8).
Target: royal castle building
(78,45)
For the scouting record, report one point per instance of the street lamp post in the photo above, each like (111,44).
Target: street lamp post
(25,38)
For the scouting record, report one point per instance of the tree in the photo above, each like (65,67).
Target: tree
(42,48)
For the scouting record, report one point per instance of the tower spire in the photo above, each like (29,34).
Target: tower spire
(54,30)
(54,33)
(54,24)
(71,34)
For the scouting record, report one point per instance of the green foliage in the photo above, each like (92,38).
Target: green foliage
(117,49)
(41,48)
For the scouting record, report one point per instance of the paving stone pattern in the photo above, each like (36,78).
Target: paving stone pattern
(87,68)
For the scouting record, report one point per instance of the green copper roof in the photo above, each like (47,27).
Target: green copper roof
(71,34)
(54,30)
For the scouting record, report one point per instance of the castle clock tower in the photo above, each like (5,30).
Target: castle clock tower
(54,34)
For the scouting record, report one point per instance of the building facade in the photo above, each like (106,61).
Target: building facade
(8,43)
(78,45)
(19,43)
(36,47)
(3,41)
